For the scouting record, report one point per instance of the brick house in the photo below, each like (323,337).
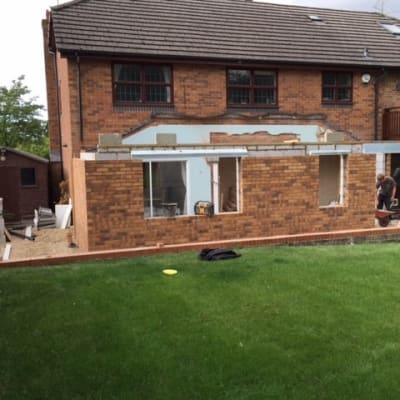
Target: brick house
(278,115)
(23,183)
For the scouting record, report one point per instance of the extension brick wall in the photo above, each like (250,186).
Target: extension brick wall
(280,196)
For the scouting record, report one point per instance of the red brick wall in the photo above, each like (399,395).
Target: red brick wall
(253,138)
(79,196)
(280,196)
(52,105)
(300,92)
(200,92)
(390,95)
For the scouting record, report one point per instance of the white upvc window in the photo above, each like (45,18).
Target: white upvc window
(165,188)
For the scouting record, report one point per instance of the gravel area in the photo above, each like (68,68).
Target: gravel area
(48,243)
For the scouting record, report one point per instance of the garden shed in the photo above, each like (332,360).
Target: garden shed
(23,183)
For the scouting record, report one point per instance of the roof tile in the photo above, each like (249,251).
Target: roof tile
(229,30)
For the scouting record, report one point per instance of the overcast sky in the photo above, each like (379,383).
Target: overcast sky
(21,43)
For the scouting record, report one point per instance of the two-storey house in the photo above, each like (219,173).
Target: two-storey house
(280,116)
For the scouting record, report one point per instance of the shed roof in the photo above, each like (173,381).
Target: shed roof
(24,154)
(226,30)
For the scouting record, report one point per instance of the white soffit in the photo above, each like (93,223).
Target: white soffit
(188,153)
(328,152)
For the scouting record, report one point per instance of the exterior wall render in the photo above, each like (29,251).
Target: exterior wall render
(280,196)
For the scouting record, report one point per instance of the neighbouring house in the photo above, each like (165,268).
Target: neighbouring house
(280,116)
(23,183)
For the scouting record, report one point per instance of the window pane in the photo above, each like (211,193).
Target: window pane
(128,92)
(264,96)
(328,94)
(155,73)
(343,94)
(168,187)
(127,72)
(146,188)
(328,78)
(239,96)
(28,177)
(239,77)
(343,79)
(264,78)
(158,94)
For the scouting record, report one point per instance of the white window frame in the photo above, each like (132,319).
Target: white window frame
(187,177)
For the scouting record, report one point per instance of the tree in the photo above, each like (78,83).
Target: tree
(20,123)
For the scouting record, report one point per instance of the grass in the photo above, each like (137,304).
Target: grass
(278,323)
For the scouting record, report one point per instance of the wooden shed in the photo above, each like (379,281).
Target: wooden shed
(23,183)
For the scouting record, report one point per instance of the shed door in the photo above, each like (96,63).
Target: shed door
(10,191)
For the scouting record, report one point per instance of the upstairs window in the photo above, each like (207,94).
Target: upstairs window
(337,87)
(252,88)
(142,84)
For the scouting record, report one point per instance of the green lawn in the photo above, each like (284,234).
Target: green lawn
(278,323)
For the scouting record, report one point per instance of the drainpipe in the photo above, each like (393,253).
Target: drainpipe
(78,68)
(59,116)
(377,82)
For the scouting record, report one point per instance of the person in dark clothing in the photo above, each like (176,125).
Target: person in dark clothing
(386,191)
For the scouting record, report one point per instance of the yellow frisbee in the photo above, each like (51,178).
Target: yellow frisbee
(170,271)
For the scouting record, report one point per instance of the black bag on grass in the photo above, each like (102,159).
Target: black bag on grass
(217,254)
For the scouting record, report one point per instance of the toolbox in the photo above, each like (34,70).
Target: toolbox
(204,208)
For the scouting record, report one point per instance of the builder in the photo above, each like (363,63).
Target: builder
(386,191)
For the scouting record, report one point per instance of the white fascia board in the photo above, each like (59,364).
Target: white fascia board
(187,153)
(379,147)
(328,152)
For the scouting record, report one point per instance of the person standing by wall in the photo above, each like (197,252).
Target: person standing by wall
(386,191)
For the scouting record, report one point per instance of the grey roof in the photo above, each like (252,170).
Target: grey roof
(225,30)
(26,154)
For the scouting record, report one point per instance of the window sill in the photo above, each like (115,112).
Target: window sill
(143,107)
(330,206)
(252,107)
(166,216)
(337,105)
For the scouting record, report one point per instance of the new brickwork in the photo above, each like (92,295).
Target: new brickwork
(280,196)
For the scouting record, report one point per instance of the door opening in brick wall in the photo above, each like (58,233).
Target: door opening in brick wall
(332,180)
(229,184)
(395,171)
(164,186)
